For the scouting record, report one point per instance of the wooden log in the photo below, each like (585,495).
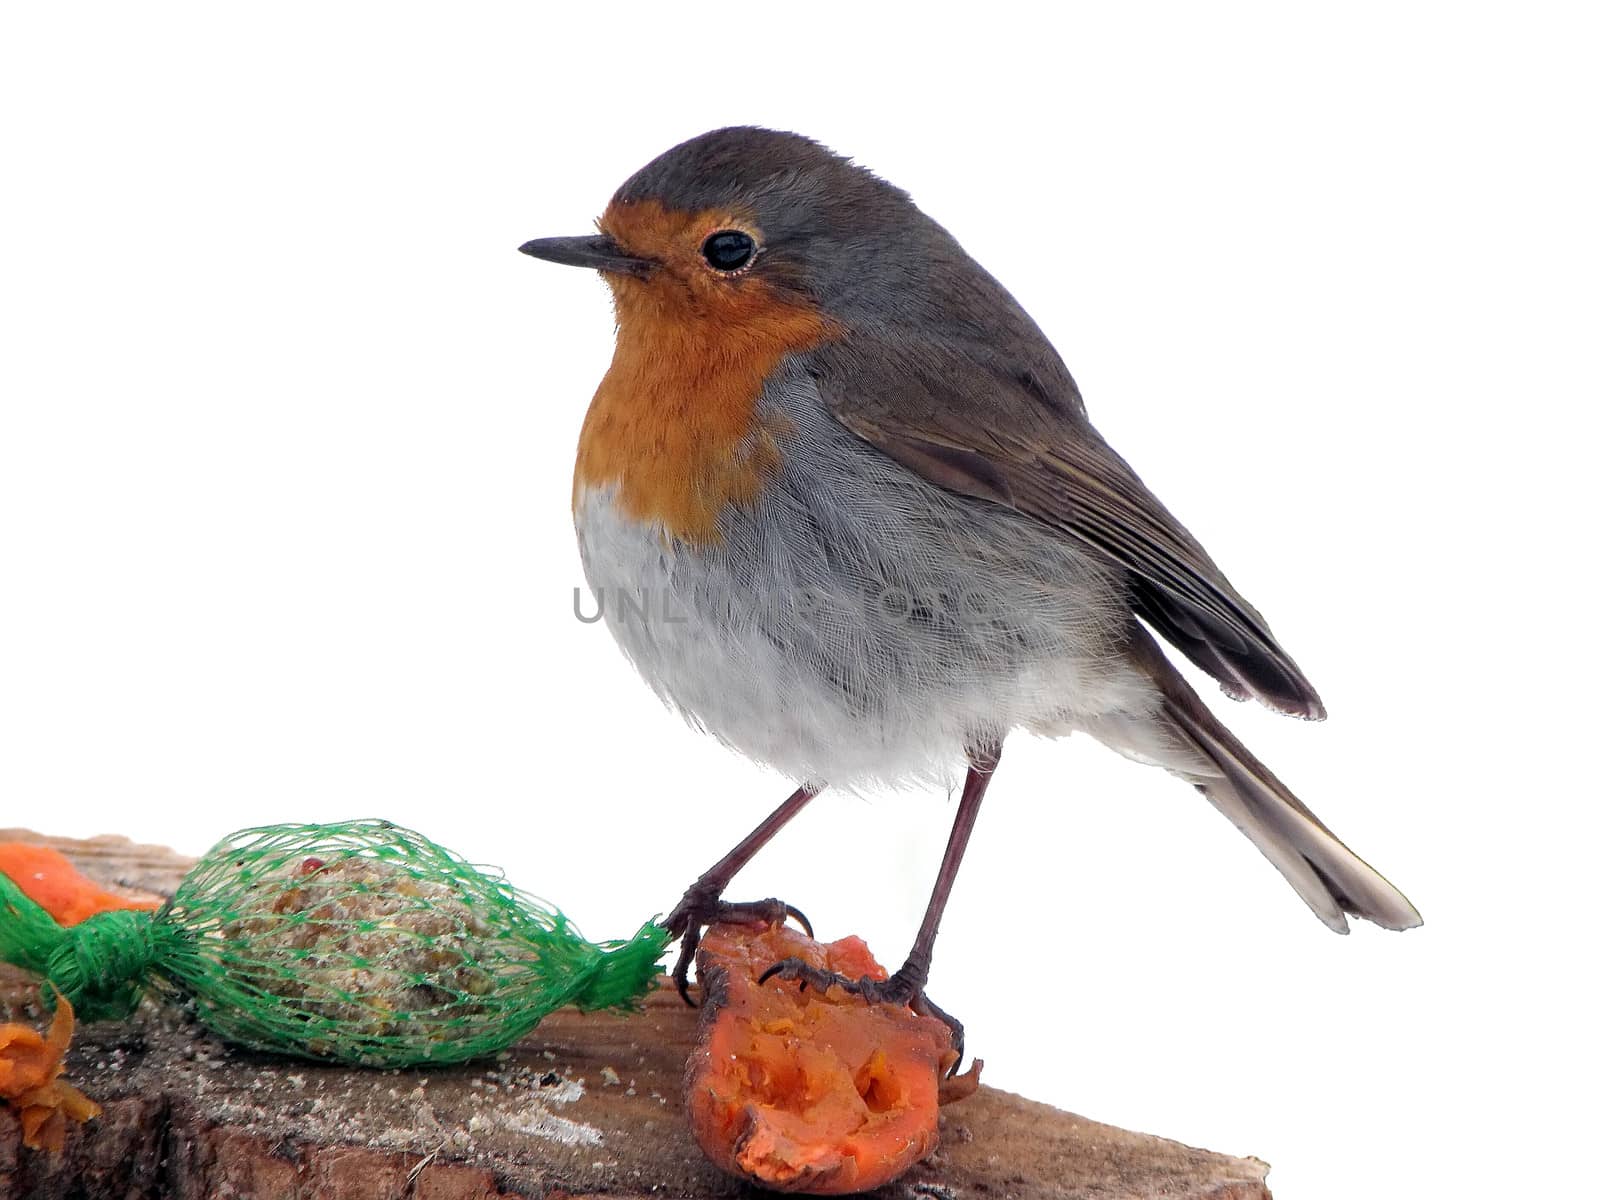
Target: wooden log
(586,1106)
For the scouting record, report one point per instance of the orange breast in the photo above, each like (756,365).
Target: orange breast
(673,424)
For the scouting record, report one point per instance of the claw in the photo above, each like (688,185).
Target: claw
(792,913)
(923,1007)
(789,968)
(700,908)
(680,969)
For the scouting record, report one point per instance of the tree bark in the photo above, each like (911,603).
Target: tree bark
(586,1106)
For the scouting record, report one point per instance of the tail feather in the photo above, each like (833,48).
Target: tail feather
(1329,877)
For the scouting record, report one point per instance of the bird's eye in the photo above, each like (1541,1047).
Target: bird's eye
(728,249)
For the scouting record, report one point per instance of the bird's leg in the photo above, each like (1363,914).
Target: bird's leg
(703,904)
(906,985)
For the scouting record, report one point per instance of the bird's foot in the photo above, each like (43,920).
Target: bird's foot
(903,987)
(702,907)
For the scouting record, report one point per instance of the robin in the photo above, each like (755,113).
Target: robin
(841,502)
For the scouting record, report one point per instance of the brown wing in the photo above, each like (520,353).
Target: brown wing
(1017,435)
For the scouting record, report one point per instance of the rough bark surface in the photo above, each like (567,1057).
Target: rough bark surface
(586,1106)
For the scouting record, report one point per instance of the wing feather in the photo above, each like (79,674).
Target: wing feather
(970,423)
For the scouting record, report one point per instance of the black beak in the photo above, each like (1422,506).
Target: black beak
(598,252)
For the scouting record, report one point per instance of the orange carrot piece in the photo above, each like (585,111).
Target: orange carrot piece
(50,880)
(30,1081)
(802,1091)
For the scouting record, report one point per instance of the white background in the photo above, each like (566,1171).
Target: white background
(285,455)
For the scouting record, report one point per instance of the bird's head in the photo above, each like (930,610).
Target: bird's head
(733,223)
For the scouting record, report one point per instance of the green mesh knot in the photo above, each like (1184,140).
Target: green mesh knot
(101,964)
(626,971)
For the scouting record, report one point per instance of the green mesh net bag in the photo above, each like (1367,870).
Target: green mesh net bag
(359,942)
